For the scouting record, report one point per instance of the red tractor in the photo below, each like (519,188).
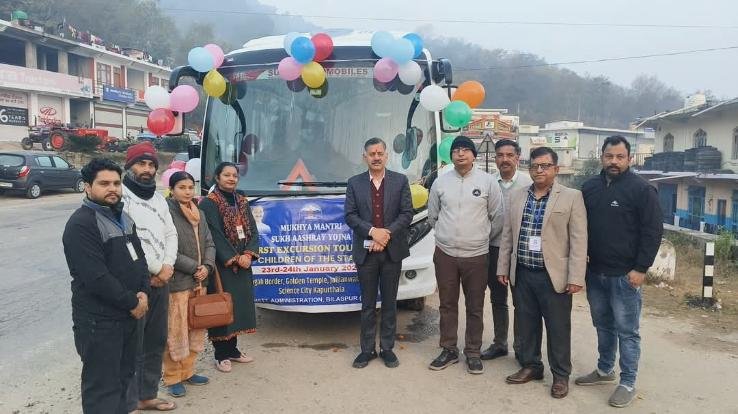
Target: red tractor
(56,137)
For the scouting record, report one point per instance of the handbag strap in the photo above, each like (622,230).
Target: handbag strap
(218,283)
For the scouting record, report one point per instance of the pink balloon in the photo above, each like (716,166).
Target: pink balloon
(385,70)
(216,52)
(166,175)
(184,98)
(289,69)
(178,165)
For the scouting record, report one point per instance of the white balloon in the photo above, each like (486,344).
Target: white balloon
(193,168)
(434,98)
(410,73)
(288,39)
(156,97)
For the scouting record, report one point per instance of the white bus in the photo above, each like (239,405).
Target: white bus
(296,147)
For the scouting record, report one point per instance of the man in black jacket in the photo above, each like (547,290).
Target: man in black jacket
(625,228)
(109,288)
(378,209)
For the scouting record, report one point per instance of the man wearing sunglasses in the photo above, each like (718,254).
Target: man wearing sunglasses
(543,253)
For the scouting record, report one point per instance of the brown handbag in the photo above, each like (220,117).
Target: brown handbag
(212,310)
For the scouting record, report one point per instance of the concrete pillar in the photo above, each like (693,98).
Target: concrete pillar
(124,123)
(63,59)
(66,108)
(31,56)
(32,108)
(91,120)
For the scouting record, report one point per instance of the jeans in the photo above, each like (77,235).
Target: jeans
(378,271)
(615,306)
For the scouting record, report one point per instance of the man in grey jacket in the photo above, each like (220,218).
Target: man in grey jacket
(464,206)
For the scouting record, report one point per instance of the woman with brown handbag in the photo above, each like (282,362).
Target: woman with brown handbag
(236,244)
(195,262)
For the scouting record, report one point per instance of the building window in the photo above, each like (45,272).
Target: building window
(699,139)
(735,144)
(117,78)
(103,74)
(669,143)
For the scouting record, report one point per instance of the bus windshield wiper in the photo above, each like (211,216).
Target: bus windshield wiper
(313,183)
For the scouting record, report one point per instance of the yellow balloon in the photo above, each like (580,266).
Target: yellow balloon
(419,195)
(313,75)
(214,84)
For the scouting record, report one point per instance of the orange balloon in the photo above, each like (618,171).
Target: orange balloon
(471,92)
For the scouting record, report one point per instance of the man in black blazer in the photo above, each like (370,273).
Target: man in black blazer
(379,210)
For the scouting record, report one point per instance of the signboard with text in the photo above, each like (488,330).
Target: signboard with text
(305,253)
(111,93)
(13,116)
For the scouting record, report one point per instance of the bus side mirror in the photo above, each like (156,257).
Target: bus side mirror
(179,123)
(193,150)
(443,72)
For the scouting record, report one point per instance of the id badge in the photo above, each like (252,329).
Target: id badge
(241,233)
(368,244)
(534,243)
(132,251)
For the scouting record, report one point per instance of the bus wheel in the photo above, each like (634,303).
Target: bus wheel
(416,304)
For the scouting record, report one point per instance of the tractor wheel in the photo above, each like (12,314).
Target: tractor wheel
(46,145)
(27,144)
(59,140)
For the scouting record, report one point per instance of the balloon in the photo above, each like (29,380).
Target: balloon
(184,98)
(296,85)
(444,150)
(216,52)
(382,43)
(303,50)
(313,75)
(193,168)
(319,92)
(417,43)
(214,84)
(385,70)
(160,121)
(399,143)
(457,114)
(157,97)
(410,73)
(289,69)
(166,175)
(230,95)
(288,39)
(200,59)
(178,165)
(419,195)
(471,92)
(323,46)
(433,98)
(404,89)
(402,51)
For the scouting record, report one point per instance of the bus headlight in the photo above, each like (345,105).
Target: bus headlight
(418,231)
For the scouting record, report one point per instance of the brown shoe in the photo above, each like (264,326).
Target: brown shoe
(525,375)
(560,388)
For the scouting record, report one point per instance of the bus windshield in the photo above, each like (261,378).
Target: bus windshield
(279,131)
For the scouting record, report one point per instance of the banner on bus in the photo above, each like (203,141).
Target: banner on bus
(305,253)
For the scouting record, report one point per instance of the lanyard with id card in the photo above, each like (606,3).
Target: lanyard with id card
(534,242)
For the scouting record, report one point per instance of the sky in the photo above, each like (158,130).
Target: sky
(716,71)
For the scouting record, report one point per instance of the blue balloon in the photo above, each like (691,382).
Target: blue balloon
(303,50)
(288,39)
(382,43)
(417,43)
(200,59)
(401,51)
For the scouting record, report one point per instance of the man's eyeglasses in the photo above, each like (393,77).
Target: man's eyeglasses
(460,150)
(544,167)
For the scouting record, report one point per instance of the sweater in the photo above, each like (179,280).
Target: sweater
(155,228)
(463,212)
(105,276)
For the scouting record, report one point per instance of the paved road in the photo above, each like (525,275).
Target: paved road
(303,361)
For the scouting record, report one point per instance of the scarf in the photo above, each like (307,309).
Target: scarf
(233,217)
(142,191)
(192,214)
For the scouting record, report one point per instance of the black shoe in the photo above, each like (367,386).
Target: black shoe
(389,358)
(444,360)
(363,359)
(474,365)
(494,351)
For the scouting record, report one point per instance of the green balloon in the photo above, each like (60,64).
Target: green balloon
(457,114)
(444,150)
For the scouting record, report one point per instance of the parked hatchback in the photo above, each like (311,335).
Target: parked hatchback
(34,172)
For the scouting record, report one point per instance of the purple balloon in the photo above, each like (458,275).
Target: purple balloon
(184,98)
(385,70)
(289,69)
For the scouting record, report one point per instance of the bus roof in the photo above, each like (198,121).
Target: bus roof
(341,37)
